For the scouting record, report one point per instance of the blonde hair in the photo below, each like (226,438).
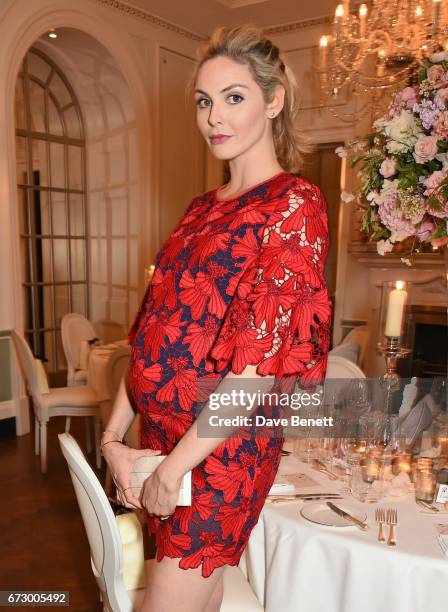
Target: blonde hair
(246,44)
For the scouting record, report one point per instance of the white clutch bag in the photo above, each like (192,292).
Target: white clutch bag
(145,466)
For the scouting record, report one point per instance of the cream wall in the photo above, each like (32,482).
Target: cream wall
(126,73)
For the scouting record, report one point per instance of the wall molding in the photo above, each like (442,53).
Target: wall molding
(294,26)
(138,13)
(143,15)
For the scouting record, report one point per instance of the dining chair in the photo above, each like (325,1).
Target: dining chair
(359,335)
(107,551)
(59,401)
(340,367)
(74,329)
(349,350)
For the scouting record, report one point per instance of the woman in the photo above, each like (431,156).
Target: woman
(238,292)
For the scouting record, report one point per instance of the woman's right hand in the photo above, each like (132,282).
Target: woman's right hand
(120,459)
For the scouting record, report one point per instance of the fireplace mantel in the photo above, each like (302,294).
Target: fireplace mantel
(366,253)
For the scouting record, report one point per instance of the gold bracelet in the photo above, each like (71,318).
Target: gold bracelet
(109,442)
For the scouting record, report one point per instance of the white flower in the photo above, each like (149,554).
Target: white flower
(388,189)
(384,246)
(439,57)
(341,152)
(403,129)
(372,197)
(393,146)
(347,197)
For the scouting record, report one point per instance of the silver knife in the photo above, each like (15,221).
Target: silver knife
(304,497)
(348,516)
(427,505)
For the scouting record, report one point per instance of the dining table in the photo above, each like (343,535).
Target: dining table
(97,379)
(295,565)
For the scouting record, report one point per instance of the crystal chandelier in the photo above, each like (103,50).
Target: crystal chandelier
(375,47)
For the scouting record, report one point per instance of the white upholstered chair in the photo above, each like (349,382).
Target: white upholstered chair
(106,547)
(349,351)
(47,403)
(339,367)
(358,335)
(74,329)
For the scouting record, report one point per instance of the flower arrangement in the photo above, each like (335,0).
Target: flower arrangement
(404,177)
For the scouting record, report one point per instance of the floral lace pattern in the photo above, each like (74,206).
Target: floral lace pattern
(237,283)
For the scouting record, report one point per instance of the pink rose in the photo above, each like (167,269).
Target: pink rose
(388,167)
(409,97)
(433,181)
(437,76)
(425,229)
(441,98)
(425,149)
(440,125)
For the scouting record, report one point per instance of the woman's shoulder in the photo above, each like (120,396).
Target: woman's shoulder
(303,186)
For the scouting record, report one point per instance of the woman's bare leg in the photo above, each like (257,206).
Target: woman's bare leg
(215,601)
(171,588)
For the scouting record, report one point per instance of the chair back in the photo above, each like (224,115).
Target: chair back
(101,527)
(340,367)
(117,365)
(349,351)
(359,335)
(27,364)
(74,329)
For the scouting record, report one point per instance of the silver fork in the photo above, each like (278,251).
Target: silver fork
(380,519)
(391,520)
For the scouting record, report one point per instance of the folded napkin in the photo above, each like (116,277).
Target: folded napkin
(413,424)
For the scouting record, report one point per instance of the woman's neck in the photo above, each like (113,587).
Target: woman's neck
(247,172)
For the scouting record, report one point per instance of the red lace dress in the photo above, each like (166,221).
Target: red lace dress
(238,282)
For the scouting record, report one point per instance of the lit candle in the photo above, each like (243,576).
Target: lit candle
(362,20)
(402,463)
(395,310)
(323,46)
(338,16)
(425,485)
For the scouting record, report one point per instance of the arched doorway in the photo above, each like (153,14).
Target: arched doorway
(51,183)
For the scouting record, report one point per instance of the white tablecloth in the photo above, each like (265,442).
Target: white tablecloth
(96,370)
(296,566)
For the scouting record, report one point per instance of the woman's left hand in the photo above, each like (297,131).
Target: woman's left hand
(160,492)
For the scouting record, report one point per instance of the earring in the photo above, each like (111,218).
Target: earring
(273,115)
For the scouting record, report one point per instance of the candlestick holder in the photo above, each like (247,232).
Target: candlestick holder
(395,315)
(390,381)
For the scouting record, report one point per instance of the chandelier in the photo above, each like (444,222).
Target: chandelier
(376,47)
